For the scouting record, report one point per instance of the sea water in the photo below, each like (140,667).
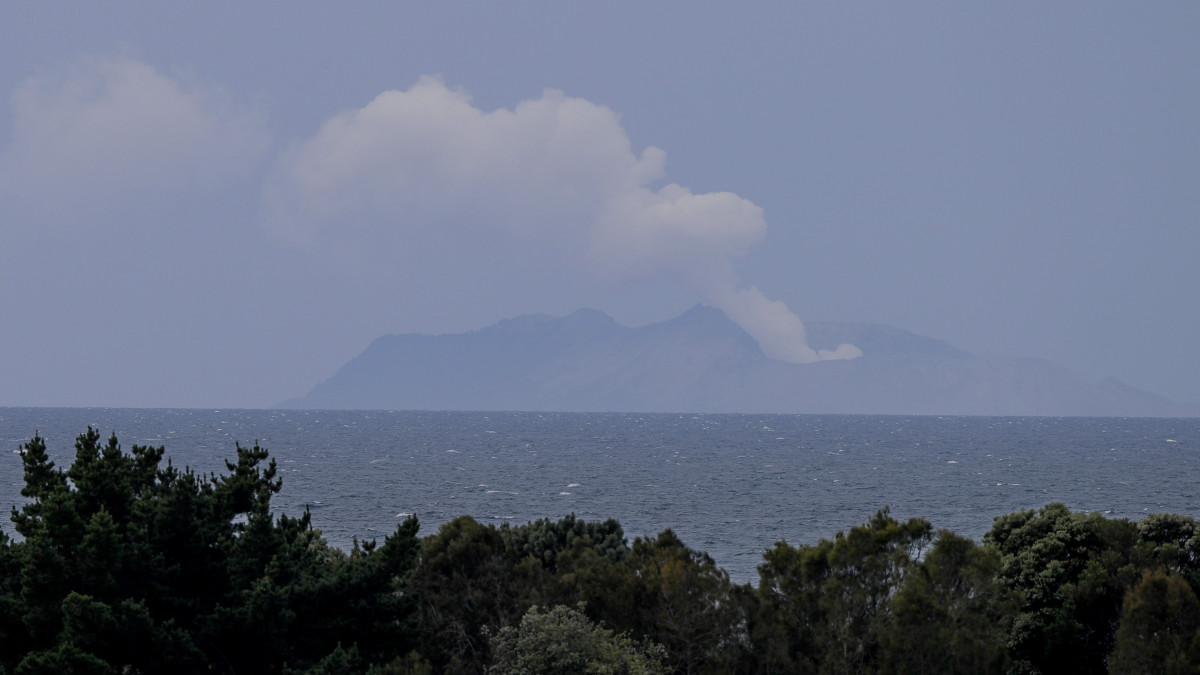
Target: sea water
(729,485)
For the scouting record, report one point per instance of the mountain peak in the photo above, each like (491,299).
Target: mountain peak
(699,313)
(701,361)
(593,318)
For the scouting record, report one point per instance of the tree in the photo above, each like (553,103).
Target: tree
(684,602)
(830,600)
(564,640)
(951,615)
(473,578)
(1170,542)
(128,565)
(1072,570)
(1160,628)
(463,581)
(546,540)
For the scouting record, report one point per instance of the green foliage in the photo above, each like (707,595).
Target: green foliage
(545,540)
(409,664)
(565,640)
(462,580)
(684,602)
(1160,628)
(127,565)
(475,580)
(1073,570)
(951,615)
(828,602)
(1170,542)
(473,577)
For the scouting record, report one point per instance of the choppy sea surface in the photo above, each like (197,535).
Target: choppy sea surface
(730,485)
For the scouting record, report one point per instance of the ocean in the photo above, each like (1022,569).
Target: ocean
(729,485)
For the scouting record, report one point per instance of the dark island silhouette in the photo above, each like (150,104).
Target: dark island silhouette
(703,362)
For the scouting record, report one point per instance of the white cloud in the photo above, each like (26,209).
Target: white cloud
(110,136)
(422,177)
(426,157)
(643,231)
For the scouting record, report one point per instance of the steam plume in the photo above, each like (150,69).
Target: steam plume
(419,176)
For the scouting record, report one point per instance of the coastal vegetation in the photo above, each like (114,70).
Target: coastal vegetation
(126,565)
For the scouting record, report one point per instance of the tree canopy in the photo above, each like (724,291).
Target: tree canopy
(124,564)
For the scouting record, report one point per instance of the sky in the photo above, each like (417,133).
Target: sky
(217,204)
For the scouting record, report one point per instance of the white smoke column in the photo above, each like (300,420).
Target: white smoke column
(696,237)
(779,332)
(552,187)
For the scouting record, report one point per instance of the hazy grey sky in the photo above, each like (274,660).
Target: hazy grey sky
(218,204)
